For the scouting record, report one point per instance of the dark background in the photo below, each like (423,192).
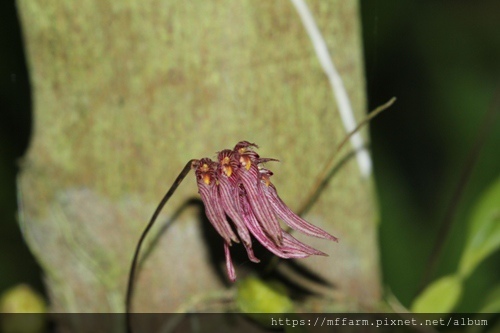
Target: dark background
(439,58)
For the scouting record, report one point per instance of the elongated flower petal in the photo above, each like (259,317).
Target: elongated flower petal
(228,194)
(256,230)
(293,245)
(289,217)
(291,248)
(260,205)
(229,263)
(208,193)
(229,208)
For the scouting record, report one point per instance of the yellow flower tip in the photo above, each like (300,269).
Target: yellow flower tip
(204,168)
(205,173)
(226,166)
(266,181)
(245,161)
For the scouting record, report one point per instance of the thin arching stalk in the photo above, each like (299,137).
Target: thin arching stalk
(133,267)
(330,164)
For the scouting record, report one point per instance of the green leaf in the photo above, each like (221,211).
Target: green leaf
(439,297)
(490,309)
(484,230)
(492,303)
(256,298)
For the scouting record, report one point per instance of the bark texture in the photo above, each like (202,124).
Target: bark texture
(126,92)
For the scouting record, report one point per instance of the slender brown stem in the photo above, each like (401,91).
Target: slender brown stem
(133,267)
(470,162)
(330,164)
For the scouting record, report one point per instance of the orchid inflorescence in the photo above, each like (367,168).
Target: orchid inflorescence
(238,186)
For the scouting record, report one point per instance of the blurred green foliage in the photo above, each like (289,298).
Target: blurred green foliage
(483,233)
(439,58)
(483,239)
(257,297)
(22,299)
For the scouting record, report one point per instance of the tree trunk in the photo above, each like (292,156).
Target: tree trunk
(126,92)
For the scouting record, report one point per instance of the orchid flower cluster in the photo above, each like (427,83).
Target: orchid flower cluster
(238,186)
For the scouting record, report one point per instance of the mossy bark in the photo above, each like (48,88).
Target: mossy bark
(126,92)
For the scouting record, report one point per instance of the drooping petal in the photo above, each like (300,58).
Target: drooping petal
(291,248)
(229,263)
(215,214)
(293,245)
(228,196)
(205,179)
(259,203)
(256,229)
(289,217)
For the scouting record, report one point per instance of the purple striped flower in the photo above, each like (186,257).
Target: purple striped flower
(239,187)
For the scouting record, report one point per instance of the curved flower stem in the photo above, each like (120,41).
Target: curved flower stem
(133,267)
(330,165)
